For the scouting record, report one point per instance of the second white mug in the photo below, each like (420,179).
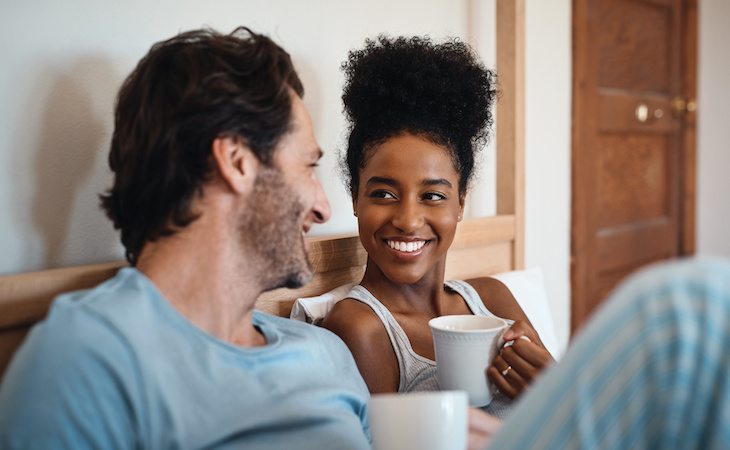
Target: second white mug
(419,421)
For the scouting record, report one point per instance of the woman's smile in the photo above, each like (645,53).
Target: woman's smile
(406,247)
(406,251)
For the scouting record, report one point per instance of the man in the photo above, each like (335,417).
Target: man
(213,154)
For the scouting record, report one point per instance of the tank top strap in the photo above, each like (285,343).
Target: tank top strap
(472,299)
(470,295)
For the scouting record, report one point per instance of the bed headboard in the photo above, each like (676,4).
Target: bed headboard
(482,246)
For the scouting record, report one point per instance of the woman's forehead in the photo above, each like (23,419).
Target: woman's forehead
(409,155)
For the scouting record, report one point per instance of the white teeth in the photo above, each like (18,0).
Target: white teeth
(407,247)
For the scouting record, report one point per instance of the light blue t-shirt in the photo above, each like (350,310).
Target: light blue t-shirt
(118,367)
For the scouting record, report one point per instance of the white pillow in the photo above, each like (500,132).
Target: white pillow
(313,309)
(528,289)
(525,285)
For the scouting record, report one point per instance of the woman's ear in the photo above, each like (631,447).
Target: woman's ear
(236,163)
(462,202)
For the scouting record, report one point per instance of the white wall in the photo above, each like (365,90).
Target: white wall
(713,129)
(548,78)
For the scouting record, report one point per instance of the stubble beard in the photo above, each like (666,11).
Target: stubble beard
(271,231)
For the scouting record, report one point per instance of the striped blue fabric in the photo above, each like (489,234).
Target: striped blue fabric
(651,370)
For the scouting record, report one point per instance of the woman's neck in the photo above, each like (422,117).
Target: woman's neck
(426,295)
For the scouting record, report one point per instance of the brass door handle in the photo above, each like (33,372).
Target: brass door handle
(680,106)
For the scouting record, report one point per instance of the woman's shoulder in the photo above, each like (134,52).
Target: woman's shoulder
(350,317)
(497,297)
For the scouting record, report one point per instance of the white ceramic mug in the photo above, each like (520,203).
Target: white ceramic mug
(419,420)
(465,347)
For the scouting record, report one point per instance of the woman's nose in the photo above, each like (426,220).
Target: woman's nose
(408,217)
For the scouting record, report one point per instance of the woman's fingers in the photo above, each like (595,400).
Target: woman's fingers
(509,379)
(505,383)
(517,366)
(527,354)
(521,328)
(520,363)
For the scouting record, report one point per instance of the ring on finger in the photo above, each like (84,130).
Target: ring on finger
(506,371)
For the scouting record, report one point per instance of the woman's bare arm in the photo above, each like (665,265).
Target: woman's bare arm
(365,335)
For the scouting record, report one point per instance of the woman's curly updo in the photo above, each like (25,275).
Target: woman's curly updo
(441,92)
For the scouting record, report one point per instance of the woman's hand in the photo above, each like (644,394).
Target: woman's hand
(482,427)
(519,365)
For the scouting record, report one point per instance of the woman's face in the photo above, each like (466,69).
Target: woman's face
(407,206)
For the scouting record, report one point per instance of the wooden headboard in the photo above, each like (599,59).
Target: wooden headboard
(482,246)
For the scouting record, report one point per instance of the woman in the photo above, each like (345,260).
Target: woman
(418,113)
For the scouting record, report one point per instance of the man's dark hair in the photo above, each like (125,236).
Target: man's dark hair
(186,92)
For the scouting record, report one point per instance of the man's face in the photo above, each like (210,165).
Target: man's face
(286,201)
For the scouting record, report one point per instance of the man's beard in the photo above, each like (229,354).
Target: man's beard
(271,230)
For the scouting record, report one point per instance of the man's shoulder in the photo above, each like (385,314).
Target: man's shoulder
(118,292)
(303,334)
(88,319)
(125,300)
(292,327)
(73,359)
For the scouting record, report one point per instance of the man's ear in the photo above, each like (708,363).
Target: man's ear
(236,163)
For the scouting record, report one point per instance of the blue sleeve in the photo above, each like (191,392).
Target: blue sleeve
(72,384)
(347,368)
(649,370)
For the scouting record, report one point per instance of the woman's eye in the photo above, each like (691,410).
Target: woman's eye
(432,196)
(381,194)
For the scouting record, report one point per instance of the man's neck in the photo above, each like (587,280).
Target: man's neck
(200,270)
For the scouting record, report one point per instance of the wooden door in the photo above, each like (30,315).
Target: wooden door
(633,65)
